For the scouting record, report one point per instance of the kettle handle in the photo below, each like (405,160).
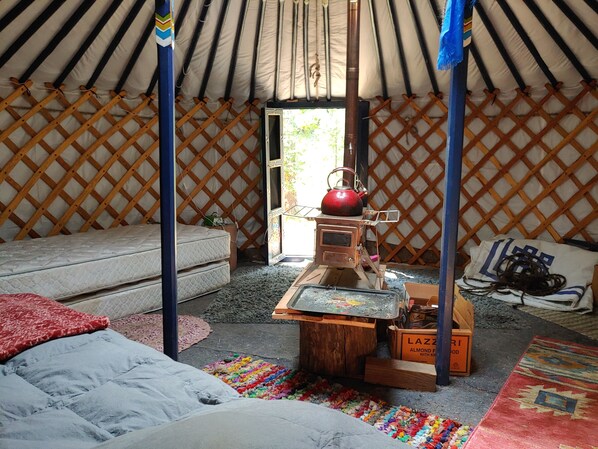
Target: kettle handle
(357,184)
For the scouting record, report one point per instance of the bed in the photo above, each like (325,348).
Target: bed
(67,381)
(115,272)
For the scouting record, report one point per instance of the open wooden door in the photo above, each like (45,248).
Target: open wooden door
(273,187)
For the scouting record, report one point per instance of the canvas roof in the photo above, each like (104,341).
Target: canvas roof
(248,49)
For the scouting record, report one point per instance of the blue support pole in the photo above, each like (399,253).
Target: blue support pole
(452,190)
(165,43)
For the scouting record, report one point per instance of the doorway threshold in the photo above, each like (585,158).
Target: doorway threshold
(297,261)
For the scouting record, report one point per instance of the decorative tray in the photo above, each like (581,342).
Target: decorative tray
(383,304)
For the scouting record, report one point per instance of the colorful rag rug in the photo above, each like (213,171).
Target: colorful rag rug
(550,401)
(263,380)
(147,329)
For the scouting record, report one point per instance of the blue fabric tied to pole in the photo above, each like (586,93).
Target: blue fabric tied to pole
(454,35)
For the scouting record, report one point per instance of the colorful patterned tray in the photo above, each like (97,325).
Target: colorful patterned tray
(383,304)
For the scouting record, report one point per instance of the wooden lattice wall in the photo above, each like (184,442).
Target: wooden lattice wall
(74,161)
(530,169)
(71,162)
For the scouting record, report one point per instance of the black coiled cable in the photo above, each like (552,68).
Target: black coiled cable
(520,271)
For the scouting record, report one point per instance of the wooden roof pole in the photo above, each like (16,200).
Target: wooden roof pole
(377,45)
(116,39)
(500,46)
(553,32)
(527,41)
(39,21)
(352,88)
(15,12)
(192,46)
(235,52)
(135,55)
(256,53)
(279,32)
(325,11)
(306,48)
(397,30)
(294,47)
(166,127)
(74,18)
(213,50)
(419,32)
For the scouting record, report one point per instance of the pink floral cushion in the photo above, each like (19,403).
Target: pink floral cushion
(27,319)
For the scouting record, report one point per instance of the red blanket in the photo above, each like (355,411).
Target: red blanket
(27,320)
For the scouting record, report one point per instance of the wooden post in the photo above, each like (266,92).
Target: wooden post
(165,41)
(452,191)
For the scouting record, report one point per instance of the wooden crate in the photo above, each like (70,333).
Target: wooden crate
(400,374)
(419,345)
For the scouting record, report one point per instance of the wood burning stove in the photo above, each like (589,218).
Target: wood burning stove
(341,241)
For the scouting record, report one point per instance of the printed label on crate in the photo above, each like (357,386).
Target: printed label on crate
(422,348)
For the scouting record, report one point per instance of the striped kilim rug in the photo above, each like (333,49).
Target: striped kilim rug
(586,324)
(263,380)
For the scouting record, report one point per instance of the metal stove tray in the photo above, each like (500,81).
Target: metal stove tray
(383,304)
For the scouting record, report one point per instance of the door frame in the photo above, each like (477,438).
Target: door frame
(272,215)
(277,108)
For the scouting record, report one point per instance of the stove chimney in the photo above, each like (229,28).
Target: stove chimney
(352,87)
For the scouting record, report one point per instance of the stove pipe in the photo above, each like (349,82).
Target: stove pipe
(352,86)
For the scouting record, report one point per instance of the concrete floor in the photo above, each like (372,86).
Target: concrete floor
(466,399)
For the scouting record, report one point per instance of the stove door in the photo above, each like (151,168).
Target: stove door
(338,245)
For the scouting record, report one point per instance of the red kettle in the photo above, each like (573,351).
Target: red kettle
(344,200)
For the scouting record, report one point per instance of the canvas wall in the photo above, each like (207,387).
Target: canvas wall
(77,160)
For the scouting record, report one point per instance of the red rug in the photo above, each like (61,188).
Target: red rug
(550,401)
(147,329)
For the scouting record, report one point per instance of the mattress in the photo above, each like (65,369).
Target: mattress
(64,266)
(145,296)
(76,392)
(80,391)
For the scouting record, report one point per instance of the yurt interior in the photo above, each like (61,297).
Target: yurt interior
(299,224)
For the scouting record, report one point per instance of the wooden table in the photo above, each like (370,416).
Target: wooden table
(334,345)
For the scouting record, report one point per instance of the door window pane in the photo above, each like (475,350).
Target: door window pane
(274,136)
(275,188)
(275,237)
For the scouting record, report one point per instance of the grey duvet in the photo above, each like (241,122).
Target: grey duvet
(103,390)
